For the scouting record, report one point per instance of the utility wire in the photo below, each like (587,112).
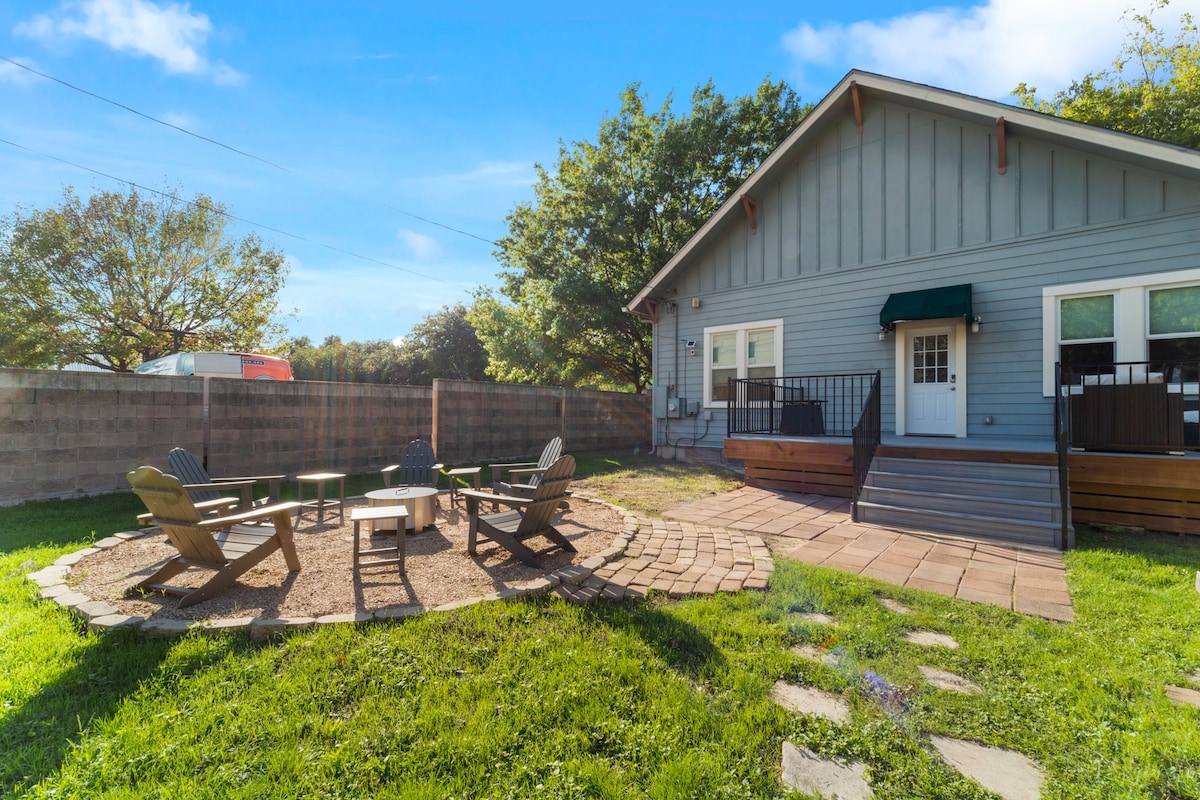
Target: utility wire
(211,141)
(140,114)
(228,215)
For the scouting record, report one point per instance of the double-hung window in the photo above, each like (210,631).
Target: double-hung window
(1145,318)
(753,350)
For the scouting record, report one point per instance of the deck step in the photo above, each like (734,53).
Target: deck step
(1009,502)
(1044,534)
(1049,510)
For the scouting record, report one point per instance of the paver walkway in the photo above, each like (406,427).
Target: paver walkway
(817,530)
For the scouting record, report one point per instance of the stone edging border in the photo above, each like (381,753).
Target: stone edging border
(99,616)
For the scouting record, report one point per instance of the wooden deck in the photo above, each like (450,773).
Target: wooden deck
(1156,492)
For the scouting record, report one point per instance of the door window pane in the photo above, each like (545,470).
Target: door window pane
(1086,318)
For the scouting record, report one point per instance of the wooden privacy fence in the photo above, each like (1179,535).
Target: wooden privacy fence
(65,434)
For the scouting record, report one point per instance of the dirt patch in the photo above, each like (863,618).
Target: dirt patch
(437,569)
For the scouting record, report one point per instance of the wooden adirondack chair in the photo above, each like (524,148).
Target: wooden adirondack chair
(523,478)
(194,477)
(418,466)
(510,529)
(226,545)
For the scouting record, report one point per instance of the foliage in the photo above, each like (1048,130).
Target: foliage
(1152,89)
(120,279)
(442,345)
(605,219)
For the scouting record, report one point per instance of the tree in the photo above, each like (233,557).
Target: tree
(1152,89)
(445,345)
(605,220)
(121,279)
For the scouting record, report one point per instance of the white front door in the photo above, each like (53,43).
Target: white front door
(932,381)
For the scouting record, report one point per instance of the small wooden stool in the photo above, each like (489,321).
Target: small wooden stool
(453,473)
(370,515)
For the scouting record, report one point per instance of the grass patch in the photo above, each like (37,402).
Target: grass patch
(649,699)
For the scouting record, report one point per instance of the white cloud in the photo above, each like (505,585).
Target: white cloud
(169,33)
(984,50)
(421,246)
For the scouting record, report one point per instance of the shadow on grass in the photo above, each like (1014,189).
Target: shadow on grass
(36,738)
(680,645)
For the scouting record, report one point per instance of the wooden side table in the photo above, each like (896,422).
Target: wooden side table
(319,479)
(379,554)
(453,474)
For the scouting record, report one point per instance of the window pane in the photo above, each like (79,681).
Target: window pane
(760,346)
(1178,359)
(724,350)
(1086,359)
(720,382)
(760,372)
(1175,310)
(1086,318)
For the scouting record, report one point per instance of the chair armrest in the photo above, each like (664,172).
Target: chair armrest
(220,487)
(528,471)
(464,471)
(217,503)
(507,467)
(262,512)
(503,499)
(255,478)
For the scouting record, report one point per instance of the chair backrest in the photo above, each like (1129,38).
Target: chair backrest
(176,513)
(550,454)
(547,496)
(189,470)
(416,465)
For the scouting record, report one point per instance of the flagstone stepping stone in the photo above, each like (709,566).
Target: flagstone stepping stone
(826,657)
(892,605)
(817,617)
(948,680)
(930,639)
(807,700)
(1005,772)
(807,772)
(1182,696)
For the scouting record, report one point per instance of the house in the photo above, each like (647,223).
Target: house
(926,259)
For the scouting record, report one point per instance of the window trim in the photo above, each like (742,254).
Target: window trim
(741,329)
(1131,311)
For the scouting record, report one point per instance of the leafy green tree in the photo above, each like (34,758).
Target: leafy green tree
(608,217)
(120,279)
(1151,90)
(445,345)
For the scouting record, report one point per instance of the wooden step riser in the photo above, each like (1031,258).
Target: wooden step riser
(1020,473)
(963,504)
(1033,492)
(1044,535)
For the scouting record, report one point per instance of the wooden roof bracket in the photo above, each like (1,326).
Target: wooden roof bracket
(856,100)
(1001,145)
(651,306)
(751,209)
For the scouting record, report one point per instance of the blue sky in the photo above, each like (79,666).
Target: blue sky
(375,115)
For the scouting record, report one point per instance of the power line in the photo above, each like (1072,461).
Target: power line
(140,114)
(211,141)
(228,215)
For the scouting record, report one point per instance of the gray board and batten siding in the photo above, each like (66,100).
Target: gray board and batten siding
(917,201)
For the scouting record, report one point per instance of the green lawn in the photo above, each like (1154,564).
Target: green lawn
(650,699)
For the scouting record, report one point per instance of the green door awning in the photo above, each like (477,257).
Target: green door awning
(940,303)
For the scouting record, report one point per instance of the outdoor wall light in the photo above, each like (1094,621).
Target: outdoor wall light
(975,323)
(883,333)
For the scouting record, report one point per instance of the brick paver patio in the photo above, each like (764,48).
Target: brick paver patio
(817,530)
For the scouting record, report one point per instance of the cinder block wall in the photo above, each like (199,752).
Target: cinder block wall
(65,434)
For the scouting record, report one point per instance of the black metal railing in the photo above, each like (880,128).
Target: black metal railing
(866,435)
(1062,439)
(1130,406)
(808,405)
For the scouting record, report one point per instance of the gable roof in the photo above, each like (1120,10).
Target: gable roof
(1124,147)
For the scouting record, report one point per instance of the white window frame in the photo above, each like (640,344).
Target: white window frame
(741,330)
(1131,309)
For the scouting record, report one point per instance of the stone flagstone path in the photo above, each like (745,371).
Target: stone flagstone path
(818,530)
